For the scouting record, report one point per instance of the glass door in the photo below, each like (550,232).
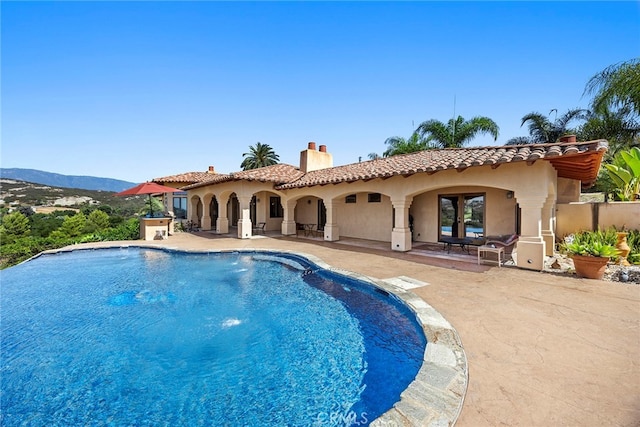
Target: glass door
(473,216)
(449,217)
(461,216)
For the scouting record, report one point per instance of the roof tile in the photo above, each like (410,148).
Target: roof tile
(437,160)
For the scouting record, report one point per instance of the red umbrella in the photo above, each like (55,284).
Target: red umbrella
(147,188)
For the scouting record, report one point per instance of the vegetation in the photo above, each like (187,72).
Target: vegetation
(456,133)
(616,86)
(98,216)
(542,130)
(624,172)
(23,236)
(601,243)
(259,156)
(400,145)
(615,115)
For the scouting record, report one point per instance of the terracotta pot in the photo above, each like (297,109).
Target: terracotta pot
(622,247)
(590,267)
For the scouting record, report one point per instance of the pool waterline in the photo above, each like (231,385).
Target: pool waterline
(437,394)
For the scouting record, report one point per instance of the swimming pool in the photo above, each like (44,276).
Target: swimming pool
(151,337)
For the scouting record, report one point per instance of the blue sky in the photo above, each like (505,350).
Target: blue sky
(139,90)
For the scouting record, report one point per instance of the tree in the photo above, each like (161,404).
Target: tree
(73,226)
(542,130)
(259,156)
(456,133)
(399,145)
(14,226)
(613,125)
(617,86)
(98,220)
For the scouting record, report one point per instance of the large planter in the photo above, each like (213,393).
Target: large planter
(590,267)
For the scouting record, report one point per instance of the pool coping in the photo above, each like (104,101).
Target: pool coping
(436,395)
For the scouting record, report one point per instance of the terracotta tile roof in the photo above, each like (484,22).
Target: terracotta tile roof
(575,160)
(281,173)
(432,161)
(187,177)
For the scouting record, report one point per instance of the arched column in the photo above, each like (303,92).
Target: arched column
(222,223)
(288,226)
(331,229)
(244,223)
(531,247)
(205,222)
(193,209)
(401,234)
(548,234)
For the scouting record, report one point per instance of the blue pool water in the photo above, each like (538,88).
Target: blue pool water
(150,337)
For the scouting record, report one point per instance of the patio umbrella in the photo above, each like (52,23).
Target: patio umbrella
(147,188)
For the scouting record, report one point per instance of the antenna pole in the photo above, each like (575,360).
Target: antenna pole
(453,133)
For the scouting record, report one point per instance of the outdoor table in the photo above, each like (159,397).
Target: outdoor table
(463,242)
(308,229)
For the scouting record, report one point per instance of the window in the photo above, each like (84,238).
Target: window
(351,198)
(374,198)
(180,207)
(275,207)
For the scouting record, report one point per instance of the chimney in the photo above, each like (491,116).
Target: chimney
(568,138)
(211,169)
(311,159)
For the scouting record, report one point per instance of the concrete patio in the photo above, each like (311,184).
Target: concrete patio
(542,349)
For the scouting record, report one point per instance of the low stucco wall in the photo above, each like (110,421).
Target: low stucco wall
(573,217)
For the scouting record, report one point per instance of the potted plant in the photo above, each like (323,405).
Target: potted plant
(590,258)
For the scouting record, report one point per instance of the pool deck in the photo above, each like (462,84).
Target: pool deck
(542,349)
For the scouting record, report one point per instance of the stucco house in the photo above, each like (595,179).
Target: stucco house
(176,203)
(406,199)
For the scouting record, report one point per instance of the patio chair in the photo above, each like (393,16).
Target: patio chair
(506,241)
(259,227)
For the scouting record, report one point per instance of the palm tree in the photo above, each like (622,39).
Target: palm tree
(615,126)
(399,145)
(259,156)
(617,86)
(542,130)
(456,133)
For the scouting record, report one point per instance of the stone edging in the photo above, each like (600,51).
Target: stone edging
(436,395)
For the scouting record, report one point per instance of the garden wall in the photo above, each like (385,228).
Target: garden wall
(572,217)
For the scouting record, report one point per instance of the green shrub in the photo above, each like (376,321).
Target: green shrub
(596,242)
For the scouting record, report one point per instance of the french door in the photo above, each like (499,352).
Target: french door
(461,215)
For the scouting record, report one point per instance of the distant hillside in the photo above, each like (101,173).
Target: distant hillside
(14,193)
(65,181)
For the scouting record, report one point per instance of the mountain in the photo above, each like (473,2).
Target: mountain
(65,181)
